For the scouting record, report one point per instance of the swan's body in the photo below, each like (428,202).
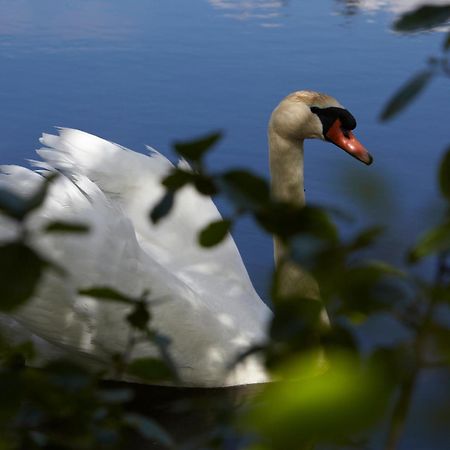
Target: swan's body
(203,298)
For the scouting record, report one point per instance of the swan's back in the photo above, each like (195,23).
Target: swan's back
(204,300)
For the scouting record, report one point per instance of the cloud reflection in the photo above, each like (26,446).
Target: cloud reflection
(395,6)
(265,11)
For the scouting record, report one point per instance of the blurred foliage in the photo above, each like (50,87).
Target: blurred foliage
(330,390)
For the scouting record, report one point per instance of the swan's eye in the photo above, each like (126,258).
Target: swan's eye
(345,132)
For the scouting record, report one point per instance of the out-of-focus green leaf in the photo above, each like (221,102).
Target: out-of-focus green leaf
(149,369)
(365,238)
(107,293)
(149,429)
(18,207)
(434,241)
(139,317)
(406,94)
(194,150)
(447,43)
(214,233)
(177,179)
(20,271)
(116,396)
(324,401)
(245,189)
(444,175)
(204,184)
(286,220)
(423,18)
(66,227)
(163,207)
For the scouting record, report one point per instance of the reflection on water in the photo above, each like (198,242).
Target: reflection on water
(265,11)
(396,6)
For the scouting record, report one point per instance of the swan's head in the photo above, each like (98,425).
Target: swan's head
(311,115)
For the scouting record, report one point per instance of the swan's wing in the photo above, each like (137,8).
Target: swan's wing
(210,316)
(133,182)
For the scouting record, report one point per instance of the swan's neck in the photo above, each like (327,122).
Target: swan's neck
(286,169)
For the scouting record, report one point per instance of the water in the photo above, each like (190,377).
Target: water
(148,72)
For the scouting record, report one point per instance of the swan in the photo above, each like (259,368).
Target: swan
(201,299)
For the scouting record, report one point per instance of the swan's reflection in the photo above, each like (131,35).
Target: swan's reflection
(395,6)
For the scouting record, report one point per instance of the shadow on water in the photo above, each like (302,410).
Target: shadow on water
(188,414)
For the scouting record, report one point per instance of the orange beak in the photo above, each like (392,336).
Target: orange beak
(346,140)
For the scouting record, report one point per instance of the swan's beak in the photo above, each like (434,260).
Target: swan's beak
(346,140)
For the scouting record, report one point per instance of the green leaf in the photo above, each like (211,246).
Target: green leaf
(139,317)
(194,150)
(177,179)
(18,207)
(444,175)
(321,401)
(406,94)
(163,207)
(245,189)
(214,233)
(149,369)
(107,293)
(66,227)
(366,238)
(204,184)
(20,271)
(434,241)
(149,429)
(423,18)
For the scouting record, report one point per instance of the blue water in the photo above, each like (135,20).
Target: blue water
(149,72)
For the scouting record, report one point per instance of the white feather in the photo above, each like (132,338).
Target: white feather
(206,303)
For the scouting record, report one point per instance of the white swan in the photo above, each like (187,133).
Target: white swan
(204,299)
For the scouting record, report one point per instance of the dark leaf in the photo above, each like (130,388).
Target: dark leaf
(366,238)
(116,396)
(106,293)
(406,94)
(245,189)
(163,207)
(286,220)
(149,369)
(435,240)
(214,233)
(18,207)
(139,317)
(194,150)
(177,179)
(66,227)
(447,42)
(423,18)
(444,175)
(20,271)
(204,184)
(148,428)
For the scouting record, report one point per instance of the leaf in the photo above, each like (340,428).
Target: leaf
(434,241)
(406,94)
(107,293)
(423,18)
(20,271)
(163,207)
(245,189)
(177,179)
(444,175)
(139,317)
(148,428)
(66,227)
(149,369)
(194,150)
(366,238)
(204,184)
(447,42)
(214,233)
(322,401)
(18,207)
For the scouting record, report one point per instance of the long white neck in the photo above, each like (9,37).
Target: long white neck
(286,169)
